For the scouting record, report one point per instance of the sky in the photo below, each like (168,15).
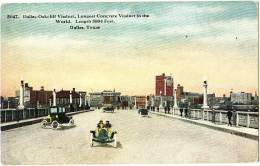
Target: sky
(193,41)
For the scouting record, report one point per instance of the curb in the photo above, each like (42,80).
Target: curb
(238,133)
(33,121)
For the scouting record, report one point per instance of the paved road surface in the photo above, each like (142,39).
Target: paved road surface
(146,140)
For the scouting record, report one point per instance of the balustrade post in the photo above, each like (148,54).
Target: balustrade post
(5,115)
(237,121)
(220,117)
(12,115)
(248,120)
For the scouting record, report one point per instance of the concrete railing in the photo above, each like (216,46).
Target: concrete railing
(239,118)
(9,115)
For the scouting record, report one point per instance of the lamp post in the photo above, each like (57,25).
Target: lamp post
(85,100)
(80,99)
(205,100)
(135,103)
(21,98)
(70,97)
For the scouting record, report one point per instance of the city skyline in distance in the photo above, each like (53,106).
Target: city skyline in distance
(191,40)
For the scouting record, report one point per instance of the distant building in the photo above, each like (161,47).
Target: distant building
(196,99)
(211,99)
(140,101)
(97,99)
(111,97)
(179,92)
(193,98)
(34,98)
(156,101)
(40,97)
(163,85)
(127,101)
(63,97)
(241,98)
(9,102)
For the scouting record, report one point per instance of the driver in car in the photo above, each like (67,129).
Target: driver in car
(100,125)
(108,127)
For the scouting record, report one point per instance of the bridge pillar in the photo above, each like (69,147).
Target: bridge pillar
(21,97)
(70,97)
(146,102)
(135,103)
(80,100)
(89,100)
(175,99)
(205,100)
(54,97)
(85,100)
(161,101)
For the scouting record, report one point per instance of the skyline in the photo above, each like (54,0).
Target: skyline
(128,55)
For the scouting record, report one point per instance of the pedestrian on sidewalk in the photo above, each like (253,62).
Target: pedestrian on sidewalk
(181,110)
(213,115)
(186,112)
(229,115)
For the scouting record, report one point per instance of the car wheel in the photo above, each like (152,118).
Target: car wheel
(44,123)
(54,124)
(71,122)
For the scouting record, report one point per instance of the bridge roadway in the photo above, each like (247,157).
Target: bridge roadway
(145,140)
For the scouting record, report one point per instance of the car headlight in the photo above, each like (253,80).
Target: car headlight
(56,116)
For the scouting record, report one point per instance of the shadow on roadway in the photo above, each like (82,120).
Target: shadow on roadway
(109,112)
(61,127)
(107,145)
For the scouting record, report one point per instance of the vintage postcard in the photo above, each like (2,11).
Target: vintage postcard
(160,82)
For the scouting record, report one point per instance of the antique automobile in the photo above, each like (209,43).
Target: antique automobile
(57,118)
(143,112)
(103,137)
(108,108)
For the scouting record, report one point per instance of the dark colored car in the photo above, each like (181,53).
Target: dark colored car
(57,117)
(143,112)
(108,108)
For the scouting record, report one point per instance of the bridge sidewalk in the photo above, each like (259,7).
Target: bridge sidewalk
(236,130)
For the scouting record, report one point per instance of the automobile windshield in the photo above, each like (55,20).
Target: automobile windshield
(53,110)
(62,109)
